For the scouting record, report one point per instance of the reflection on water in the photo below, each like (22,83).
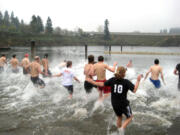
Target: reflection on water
(31,111)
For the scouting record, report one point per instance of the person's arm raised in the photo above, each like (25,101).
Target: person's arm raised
(112,69)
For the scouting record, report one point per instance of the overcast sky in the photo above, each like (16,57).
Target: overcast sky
(123,15)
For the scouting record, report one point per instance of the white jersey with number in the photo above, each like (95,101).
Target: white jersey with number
(67,76)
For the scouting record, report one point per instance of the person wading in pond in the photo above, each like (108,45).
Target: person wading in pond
(88,72)
(177,72)
(14,63)
(129,65)
(100,71)
(68,77)
(45,64)
(2,62)
(155,70)
(24,63)
(35,70)
(119,89)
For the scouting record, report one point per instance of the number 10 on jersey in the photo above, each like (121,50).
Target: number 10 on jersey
(118,88)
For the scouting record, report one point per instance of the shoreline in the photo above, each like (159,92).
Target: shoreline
(141,53)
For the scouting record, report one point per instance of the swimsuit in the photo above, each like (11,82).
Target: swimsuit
(105,89)
(156,83)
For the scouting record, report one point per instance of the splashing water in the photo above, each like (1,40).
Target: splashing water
(29,110)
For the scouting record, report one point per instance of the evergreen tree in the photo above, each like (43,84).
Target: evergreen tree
(33,24)
(1,18)
(16,23)
(49,28)
(40,24)
(6,18)
(106,30)
(12,17)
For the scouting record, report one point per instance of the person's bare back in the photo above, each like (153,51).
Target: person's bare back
(2,61)
(14,62)
(25,62)
(100,70)
(88,71)
(155,71)
(35,67)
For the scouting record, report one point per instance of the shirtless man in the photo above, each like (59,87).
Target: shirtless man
(129,65)
(2,62)
(177,72)
(35,70)
(24,63)
(14,63)
(155,70)
(88,72)
(45,64)
(100,71)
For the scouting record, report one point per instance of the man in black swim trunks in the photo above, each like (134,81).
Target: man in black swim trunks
(177,72)
(88,72)
(35,70)
(119,90)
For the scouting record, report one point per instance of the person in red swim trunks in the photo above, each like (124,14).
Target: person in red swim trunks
(100,71)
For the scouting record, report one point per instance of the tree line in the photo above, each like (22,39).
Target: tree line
(11,23)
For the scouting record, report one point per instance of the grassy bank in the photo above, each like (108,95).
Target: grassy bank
(20,39)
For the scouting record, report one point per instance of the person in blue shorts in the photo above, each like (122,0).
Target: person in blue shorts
(155,71)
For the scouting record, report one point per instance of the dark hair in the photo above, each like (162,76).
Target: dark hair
(46,55)
(100,58)
(14,55)
(3,55)
(91,59)
(156,61)
(69,63)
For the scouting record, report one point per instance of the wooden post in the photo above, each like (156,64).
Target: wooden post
(86,51)
(32,50)
(110,50)
(121,48)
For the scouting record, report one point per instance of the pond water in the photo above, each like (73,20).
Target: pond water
(26,110)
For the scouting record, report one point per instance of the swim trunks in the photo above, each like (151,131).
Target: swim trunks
(15,70)
(69,88)
(88,86)
(37,81)
(119,110)
(25,71)
(105,89)
(156,83)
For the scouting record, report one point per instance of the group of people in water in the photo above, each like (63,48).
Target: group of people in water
(117,86)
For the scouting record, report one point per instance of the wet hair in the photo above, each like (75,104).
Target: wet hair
(46,55)
(91,59)
(69,63)
(14,55)
(120,72)
(100,58)
(156,61)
